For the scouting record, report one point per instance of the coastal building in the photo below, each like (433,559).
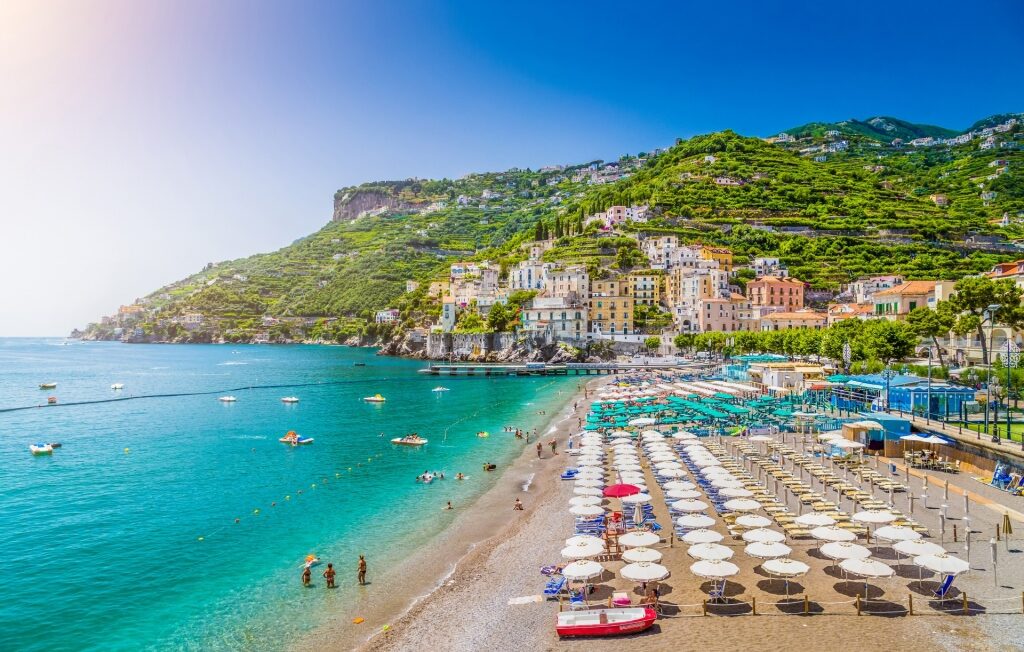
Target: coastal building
(1012,271)
(646,288)
(529,275)
(687,287)
(571,283)
(780,321)
(773,291)
(863,290)
(717,315)
(449,316)
(411,286)
(659,249)
(897,302)
(785,377)
(439,289)
(386,316)
(720,255)
(764,266)
(611,306)
(562,318)
(838,312)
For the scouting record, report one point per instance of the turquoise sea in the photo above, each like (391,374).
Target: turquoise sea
(125,538)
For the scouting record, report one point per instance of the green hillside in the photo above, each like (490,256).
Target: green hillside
(831,217)
(881,128)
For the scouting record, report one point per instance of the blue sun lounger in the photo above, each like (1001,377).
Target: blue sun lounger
(944,588)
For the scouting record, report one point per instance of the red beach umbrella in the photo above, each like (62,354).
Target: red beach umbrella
(620,490)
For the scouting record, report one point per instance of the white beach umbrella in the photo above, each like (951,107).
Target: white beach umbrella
(918,547)
(814,519)
(585,500)
(896,533)
(583,538)
(682,485)
(846,444)
(589,462)
(669,464)
(682,494)
(587,491)
(688,505)
(763,535)
(628,467)
(636,499)
(650,433)
(831,434)
(787,568)
(866,567)
(634,555)
(718,473)
(705,462)
(702,535)
(588,511)
(663,457)
(671,473)
(944,564)
(714,570)
(684,436)
(753,521)
(833,534)
(710,551)
(767,549)
(694,521)
(643,421)
(742,505)
(644,572)
(582,570)
(735,492)
(589,473)
(695,447)
(844,550)
(874,516)
(588,482)
(621,433)
(583,550)
(639,539)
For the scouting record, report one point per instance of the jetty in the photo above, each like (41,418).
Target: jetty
(543,369)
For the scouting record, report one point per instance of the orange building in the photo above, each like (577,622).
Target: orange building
(773,291)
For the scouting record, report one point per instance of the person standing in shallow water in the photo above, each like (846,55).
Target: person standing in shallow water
(540,447)
(329,574)
(306,576)
(362,570)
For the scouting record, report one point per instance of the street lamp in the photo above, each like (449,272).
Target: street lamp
(989,313)
(928,408)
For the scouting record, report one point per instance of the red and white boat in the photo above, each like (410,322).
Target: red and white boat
(605,622)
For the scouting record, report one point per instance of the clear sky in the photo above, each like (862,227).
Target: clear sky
(141,139)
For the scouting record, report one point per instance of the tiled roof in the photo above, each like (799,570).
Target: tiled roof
(910,287)
(800,315)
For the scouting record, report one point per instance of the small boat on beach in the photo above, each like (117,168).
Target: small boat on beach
(47,385)
(440,389)
(295,439)
(290,399)
(117,386)
(41,449)
(376,398)
(227,399)
(409,440)
(605,622)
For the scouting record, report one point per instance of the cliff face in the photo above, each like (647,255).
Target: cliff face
(350,205)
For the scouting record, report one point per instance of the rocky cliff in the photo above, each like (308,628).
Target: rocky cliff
(351,204)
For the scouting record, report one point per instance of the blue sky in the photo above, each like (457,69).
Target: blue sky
(143,140)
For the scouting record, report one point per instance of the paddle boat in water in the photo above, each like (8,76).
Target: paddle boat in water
(409,440)
(605,622)
(440,389)
(311,560)
(41,449)
(227,399)
(47,385)
(293,438)
(376,398)
(117,386)
(483,435)
(290,399)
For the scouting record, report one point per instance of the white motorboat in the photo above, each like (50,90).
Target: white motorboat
(41,449)
(117,386)
(440,389)
(290,399)
(227,399)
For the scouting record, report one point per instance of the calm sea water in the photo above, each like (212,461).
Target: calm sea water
(126,538)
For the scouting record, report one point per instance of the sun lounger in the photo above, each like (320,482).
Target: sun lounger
(944,588)
(554,587)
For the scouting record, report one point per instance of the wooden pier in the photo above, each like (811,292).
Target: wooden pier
(540,369)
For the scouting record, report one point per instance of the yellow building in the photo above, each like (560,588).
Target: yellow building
(719,254)
(611,306)
(646,287)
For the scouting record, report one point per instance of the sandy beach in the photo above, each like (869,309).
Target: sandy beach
(460,548)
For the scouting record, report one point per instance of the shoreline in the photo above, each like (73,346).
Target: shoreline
(479,525)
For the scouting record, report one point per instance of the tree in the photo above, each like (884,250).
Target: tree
(889,341)
(932,324)
(501,318)
(684,341)
(974,295)
(652,343)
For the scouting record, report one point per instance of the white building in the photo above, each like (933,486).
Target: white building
(764,266)
(448,316)
(529,275)
(386,316)
(562,318)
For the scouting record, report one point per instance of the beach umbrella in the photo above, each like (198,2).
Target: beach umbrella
(639,539)
(683,436)
(650,433)
(742,505)
(896,533)
(710,569)
(918,547)
(814,519)
(641,555)
(682,494)
(588,482)
(633,477)
(584,538)
(621,490)
(866,567)
(846,444)
(874,516)
(582,570)
(840,550)
(913,438)
(767,549)
(661,466)
(735,492)
(717,473)
(627,467)
(663,457)
(787,568)
(753,521)
(583,549)
(943,564)
(671,473)
(833,534)
(688,505)
(714,551)
(589,473)
(644,572)
(935,439)
(636,499)
(763,535)
(588,511)
(590,462)
(694,521)
(695,448)
(682,485)
(702,535)
(704,463)
(643,421)
(586,491)
(585,500)
(621,433)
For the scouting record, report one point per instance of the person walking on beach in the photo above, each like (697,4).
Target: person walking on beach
(306,576)
(539,449)
(517,506)
(329,574)
(554,445)
(362,570)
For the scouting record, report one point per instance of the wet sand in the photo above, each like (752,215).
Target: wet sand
(390,607)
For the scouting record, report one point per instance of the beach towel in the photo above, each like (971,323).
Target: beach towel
(526,599)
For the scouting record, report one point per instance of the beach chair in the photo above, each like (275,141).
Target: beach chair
(944,588)
(576,600)
(554,587)
(717,593)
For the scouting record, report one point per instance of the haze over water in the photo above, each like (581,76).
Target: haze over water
(100,546)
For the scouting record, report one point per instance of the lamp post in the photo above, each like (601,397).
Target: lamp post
(928,408)
(1012,360)
(990,313)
